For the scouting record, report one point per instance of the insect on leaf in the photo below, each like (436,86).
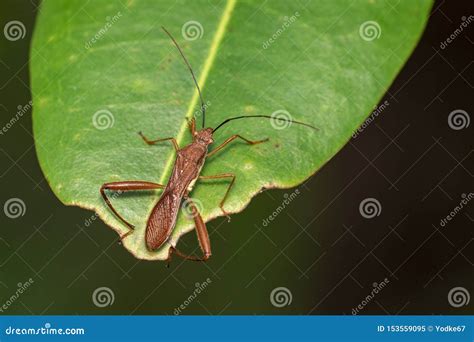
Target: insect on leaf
(104,70)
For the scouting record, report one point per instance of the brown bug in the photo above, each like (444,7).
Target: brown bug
(186,171)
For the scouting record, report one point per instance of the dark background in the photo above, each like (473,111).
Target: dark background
(409,159)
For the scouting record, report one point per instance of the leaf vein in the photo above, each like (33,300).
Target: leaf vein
(219,35)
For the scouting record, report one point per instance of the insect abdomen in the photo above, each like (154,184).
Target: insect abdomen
(161,221)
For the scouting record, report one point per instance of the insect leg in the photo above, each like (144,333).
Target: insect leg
(228,140)
(153,142)
(126,186)
(202,235)
(223,175)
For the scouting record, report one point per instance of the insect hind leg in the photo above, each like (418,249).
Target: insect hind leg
(174,250)
(126,186)
(202,235)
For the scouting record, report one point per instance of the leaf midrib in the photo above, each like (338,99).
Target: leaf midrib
(216,41)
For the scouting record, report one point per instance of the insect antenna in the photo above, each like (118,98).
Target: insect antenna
(203,107)
(263,116)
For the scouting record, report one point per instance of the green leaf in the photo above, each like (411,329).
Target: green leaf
(326,63)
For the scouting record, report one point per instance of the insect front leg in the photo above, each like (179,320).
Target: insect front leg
(126,186)
(223,175)
(153,142)
(228,140)
(192,126)
(202,235)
